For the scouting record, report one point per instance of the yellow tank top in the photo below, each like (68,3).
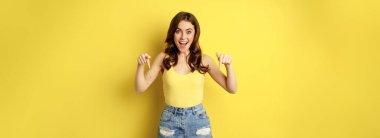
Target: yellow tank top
(182,90)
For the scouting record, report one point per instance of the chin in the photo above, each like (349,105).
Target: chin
(183,49)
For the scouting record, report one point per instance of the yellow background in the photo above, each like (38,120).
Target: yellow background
(305,69)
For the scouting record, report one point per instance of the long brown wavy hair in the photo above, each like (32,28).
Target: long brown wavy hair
(195,56)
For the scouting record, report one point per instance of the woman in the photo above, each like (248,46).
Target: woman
(183,66)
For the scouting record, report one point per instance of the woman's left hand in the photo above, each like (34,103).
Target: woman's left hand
(224,59)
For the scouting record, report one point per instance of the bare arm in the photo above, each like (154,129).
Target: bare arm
(143,81)
(227,82)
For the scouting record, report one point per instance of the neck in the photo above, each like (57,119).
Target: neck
(183,54)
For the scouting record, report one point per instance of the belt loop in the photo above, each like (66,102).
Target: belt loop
(194,110)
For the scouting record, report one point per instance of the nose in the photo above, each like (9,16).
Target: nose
(183,36)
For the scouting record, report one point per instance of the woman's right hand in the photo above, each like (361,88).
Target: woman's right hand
(143,58)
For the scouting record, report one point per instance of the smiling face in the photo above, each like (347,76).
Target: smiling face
(184,35)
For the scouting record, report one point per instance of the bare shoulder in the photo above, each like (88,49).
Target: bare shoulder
(159,58)
(206,59)
(161,55)
(158,61)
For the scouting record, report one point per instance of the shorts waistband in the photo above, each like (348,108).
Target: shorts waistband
(195,108)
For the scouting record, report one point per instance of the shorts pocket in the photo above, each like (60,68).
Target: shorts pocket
(166,116)
(202,115)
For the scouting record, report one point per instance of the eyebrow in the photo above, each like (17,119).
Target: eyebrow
(186,29)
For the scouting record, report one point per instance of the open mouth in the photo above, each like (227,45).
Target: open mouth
(183,43)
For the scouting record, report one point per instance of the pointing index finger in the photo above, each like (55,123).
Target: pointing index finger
(148,63)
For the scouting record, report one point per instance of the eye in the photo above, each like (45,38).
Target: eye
(188,32)
(177,31)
